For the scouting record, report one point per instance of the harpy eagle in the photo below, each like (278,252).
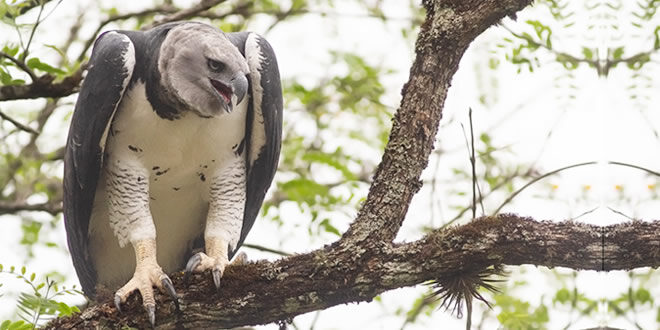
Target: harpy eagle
(174,140)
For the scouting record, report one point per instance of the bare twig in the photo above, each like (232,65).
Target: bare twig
(21,64)
(515,193)
(482,197)
(18,124)
(635,167)
(187,13)
(473,162)
(143,13)
(266,249)
(26,50)
(621,213)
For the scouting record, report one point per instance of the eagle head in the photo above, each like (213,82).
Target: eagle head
(202,69)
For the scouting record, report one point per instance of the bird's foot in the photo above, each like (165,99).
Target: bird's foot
(147,275)
(201,262)
(216,260)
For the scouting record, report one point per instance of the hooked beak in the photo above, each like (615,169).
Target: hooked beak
(237,86)
(240,86)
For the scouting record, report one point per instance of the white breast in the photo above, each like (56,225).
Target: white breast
(180,156)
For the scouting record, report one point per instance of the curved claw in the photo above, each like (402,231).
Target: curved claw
(151,312)
(240,259)
(192,264)
(169,287)
(118,303)
(217,275)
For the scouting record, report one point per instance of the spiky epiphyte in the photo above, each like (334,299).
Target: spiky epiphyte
(453,291)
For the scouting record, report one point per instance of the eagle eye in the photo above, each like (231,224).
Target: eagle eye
(215,66)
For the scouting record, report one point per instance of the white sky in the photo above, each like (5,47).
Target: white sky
(600,123)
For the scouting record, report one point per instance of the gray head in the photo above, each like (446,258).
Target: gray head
(203,69)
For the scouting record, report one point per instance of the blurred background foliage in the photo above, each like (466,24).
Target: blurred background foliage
(338,108)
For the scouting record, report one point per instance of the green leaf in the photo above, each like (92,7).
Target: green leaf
(35,64)
(617,54)
(333,160)
(31,231)
(65,60)
(643,296)
(18,325)
(562,296)
(588,53)
(325,225)
(303,190)
(11,50)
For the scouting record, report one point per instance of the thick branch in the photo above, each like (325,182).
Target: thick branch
(449,28)
(264,292)
(12,207)
(44,86)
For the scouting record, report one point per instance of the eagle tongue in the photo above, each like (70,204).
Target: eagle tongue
(222,89)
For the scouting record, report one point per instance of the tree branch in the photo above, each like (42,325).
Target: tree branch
(44,86)
(263,292)
(449,28)
(12,207)
(18,124)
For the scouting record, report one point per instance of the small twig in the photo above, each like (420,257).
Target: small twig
(585,213)
(21,64)
(186,13)
(635,167)
(18,124)
(146,12)
(482,197)
(474,172)
(473,163)
(316,319)
(515,193)
(34,29)
(620,213)
(27,6)
(266,249)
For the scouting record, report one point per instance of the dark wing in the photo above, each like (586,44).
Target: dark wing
(263,134)
(108,75)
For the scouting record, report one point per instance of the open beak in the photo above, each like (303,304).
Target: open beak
(237,86)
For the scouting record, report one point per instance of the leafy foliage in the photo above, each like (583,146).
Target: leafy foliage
(40,304)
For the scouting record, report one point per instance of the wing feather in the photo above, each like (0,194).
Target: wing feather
(108,75)
(263,125)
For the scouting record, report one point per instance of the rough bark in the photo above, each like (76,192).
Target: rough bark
(44,86)
(448,30)
(264,292)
